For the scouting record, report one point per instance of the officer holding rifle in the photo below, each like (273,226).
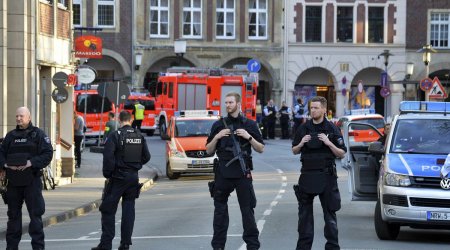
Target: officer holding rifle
(233,138)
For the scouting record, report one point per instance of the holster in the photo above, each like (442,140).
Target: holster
(211,185)
(296,188)
(138,191)
(3,188)
(107,188)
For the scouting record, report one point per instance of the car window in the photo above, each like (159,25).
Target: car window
(431,136)
(376,122)
(148,104)
(94,104)
(190,128)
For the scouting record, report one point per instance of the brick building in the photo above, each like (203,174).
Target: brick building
(36,42)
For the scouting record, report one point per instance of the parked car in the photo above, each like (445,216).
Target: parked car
(360,135)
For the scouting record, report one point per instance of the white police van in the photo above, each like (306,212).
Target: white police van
(404,175)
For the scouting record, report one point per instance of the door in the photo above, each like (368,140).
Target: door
(225,89)
(362,166)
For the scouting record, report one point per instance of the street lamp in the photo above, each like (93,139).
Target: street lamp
(386,56)
(138,61)
(409,70)
(179,47)
(426,58)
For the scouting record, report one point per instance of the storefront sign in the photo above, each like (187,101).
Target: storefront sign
(85,74)
(88,47)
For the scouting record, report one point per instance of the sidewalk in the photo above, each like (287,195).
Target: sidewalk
(75,199)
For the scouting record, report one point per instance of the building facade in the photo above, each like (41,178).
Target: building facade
(36,43)
(332,47)
(220,33)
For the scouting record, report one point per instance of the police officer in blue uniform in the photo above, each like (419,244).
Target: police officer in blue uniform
(320,142)
(24,152)
(233,171)
(124,154)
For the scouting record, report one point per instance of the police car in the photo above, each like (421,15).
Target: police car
(186,142)
(406,182)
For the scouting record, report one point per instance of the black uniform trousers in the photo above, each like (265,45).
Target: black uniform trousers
(78,139)
(136,124)
(127,189)
(271,127)
(330,201)
(32,195)
(284,124)
(247,202)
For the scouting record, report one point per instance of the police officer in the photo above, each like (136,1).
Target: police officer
(124,154)
(319,142)
(23,153)
(284,112)
(230,174)
(138,113)
(270,112)
(299,114)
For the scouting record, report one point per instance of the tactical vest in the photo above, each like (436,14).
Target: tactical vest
(139,112)
(23,147)
(284,117)
(131,142)
(225,148)
(271,116)
(316,154)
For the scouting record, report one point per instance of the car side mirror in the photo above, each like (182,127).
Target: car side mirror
(165,137)
(376,147)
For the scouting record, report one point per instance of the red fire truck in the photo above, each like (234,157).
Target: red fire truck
(91,102)
(182,88)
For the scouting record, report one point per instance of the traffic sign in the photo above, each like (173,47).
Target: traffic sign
(437,91)
(426,84)
(385,92)
(72,79)
(59,79)
(86,74)
(117,92)
(384,79)
(59,95)
(253,65)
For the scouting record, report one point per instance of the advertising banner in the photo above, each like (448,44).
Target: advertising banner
(88,47)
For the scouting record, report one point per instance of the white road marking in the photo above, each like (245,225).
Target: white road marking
(279,171)
(282,191)
(284,184)
(267,212)
(85,238)
(273,203)
(278,197)
(92,233)
(283,178)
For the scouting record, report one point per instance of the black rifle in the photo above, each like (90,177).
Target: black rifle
(237,151)
(138,191)
(107,188)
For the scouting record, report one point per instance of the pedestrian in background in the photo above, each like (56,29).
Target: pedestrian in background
(230,174)
(24,152)
(111,125)
(78,132)
(138,112)
(299,115)
(320,142)
(124,154)
(258,111)
(270,111)
(285,117)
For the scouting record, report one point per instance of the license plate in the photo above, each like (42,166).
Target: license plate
(200,162)
(438,216)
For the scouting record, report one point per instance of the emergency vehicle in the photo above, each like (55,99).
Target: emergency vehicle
(148,124)
(97,109)
(360,135)
(406,183)
(186,142)
(183,88)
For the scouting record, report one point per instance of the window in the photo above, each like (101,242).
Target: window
(257,16)
(376,24)
(225,19)
(106,13)
(94,104)
(76,6)
(159,18)
(440,24)
(344,24)
(192,18)
(313,24)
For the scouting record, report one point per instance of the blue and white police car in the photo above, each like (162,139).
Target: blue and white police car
(404,175)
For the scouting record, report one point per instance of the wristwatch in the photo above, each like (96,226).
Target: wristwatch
(250,138)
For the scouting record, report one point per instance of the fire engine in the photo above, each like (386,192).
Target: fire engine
(148,124)
(182,88)
(96,109)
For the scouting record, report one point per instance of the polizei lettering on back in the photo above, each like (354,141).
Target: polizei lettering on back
(20,140)
(133,141)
